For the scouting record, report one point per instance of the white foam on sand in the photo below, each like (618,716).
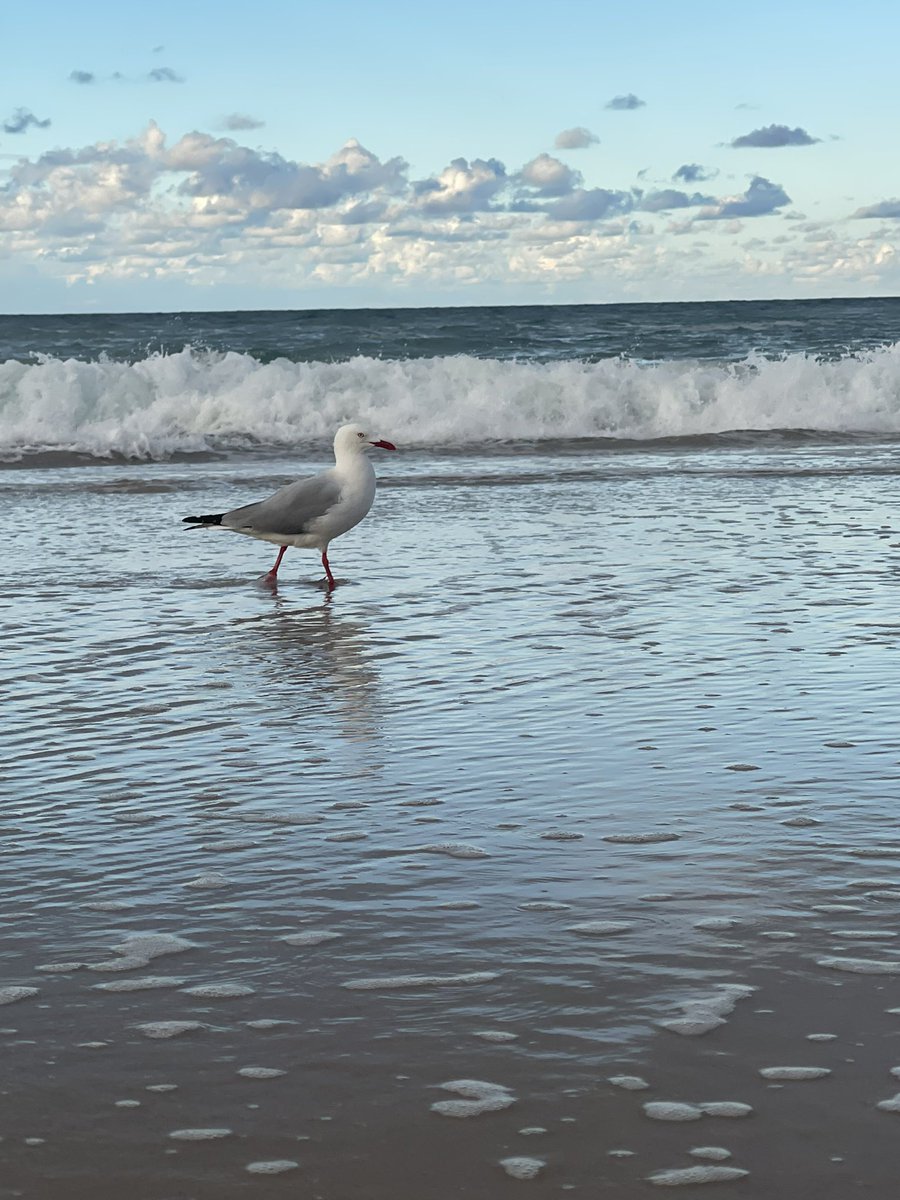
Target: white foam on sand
(167,1029)
(726,1108)
(631,1083)
(707,1012)
(219,991)
(599,928)
(640,839)
(413,981)
(794,1072)
(671,1110)
(478,1095)
(153,945)
(310,937)
(689,1176)
(127,962)
(861,966)
(9,995)
(260,1072)
(200,1135)
(544,906)
(453,850)
(865,935)
(142,983)
(276,1166)
(520,1167)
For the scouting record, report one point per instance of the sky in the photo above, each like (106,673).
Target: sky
(212,156)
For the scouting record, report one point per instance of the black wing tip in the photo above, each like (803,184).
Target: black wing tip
(208,519)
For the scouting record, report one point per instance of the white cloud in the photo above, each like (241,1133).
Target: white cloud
(578,138)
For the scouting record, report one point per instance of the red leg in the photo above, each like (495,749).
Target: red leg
(273,574)
(327,567)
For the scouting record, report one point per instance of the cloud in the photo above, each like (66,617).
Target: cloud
(235,122)
(82,77)
(771,136)
(761,198)
(669,198)
(692,173)
(593,204)
(578,138)
(463,187)
(547,176)
(889,209)
(625,103)
(22,119)
(164,75)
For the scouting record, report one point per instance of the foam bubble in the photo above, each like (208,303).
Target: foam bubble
(713,1153)
(413,981)
(459,904)
(520,1167)
(219,991)
(707,1013)
(794,1072)
(280,818)
(225,846)
(599,928)
(64,968)
(127,1104)
(864,935)
(275,1166)
(108,905)
(671,1110)
(453,850)
(200,1135)
(495,1035)
(892,1105)
(161,1087)
(266,1023)
(260,1072)
(153,945)
(689,1176)
(479,1097)
(714,924)
(128,962)
(9,995)
(640,839)
(167,1029)
(142,983)
(726,1108)
(862,966)
(821,1037)
(631,1083)
(532,1130)
(349,836)
(544,906)
(561,835)
(210,879)
(310,937)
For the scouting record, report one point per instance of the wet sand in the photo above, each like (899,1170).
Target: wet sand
(584,778)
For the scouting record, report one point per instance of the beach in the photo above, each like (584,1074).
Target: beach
(555,850)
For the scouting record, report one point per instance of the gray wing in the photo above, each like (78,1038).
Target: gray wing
(290,510)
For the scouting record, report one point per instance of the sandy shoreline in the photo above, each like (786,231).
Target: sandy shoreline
(569,759)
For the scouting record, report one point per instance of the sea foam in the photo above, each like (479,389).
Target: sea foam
(196,401)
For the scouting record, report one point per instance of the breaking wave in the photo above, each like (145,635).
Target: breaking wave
(202,402)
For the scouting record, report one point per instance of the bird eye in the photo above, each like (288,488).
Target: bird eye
(360,435)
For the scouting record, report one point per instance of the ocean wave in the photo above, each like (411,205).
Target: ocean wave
(201,402)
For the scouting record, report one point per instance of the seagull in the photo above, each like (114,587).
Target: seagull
(312,511)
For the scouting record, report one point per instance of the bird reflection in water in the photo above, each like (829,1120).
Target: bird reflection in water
(320,672)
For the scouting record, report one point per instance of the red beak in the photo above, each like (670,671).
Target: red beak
(384,445)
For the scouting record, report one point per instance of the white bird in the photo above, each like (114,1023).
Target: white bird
(311,512)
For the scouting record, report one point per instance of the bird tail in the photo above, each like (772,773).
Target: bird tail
(199,522)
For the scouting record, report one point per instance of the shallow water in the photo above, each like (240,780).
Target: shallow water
(579,741)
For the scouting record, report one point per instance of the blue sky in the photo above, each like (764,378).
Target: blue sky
(214,156)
